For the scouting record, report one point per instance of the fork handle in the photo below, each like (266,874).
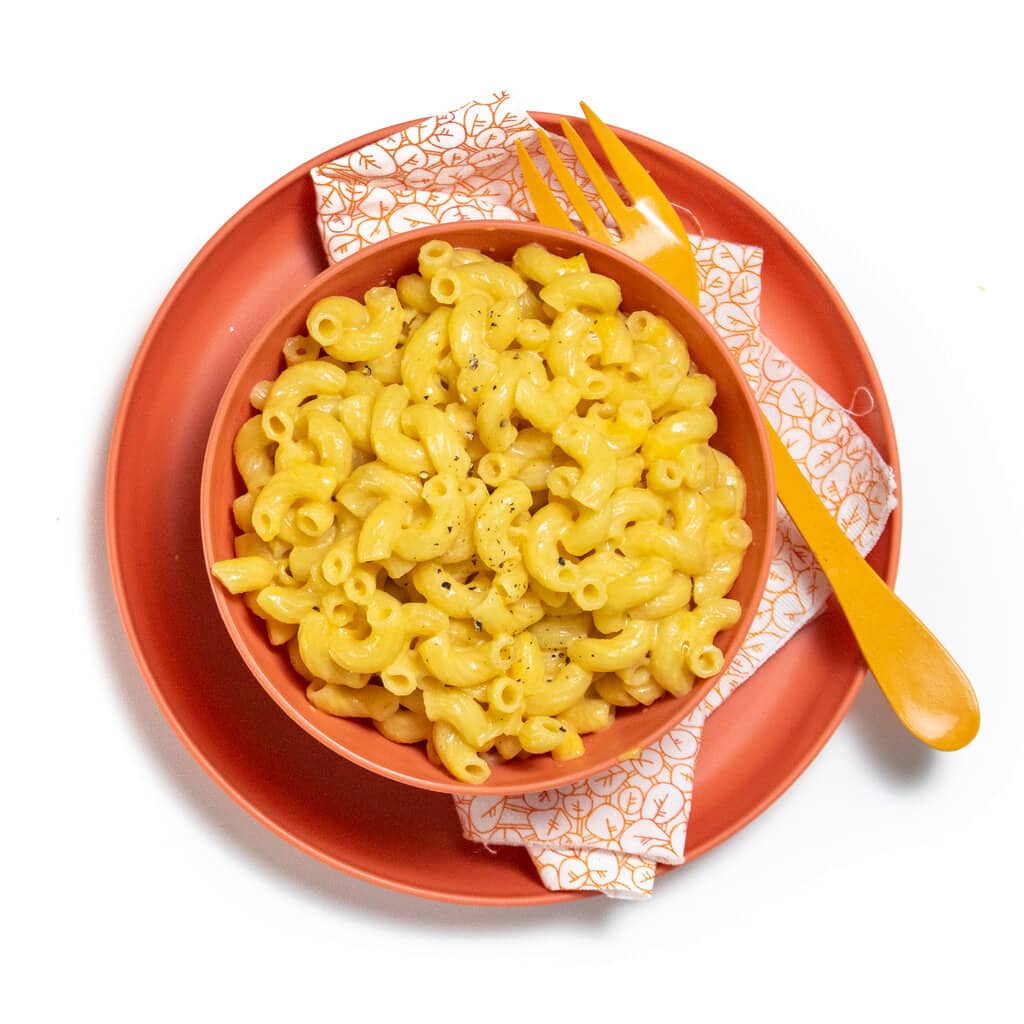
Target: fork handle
(926,688)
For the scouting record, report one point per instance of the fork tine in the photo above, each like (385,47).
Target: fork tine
(549,211)
(641,186)
(616,207)
(631,172)
(592,224)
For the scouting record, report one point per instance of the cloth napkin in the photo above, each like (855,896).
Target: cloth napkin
(610,831)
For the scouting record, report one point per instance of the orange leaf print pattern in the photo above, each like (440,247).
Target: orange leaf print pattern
(609,831)
(460,165)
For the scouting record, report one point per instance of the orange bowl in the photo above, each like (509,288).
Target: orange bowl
(740,434)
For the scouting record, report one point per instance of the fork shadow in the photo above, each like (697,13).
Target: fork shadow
(902,759)
(199,795)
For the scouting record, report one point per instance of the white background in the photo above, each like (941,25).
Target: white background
(886,883)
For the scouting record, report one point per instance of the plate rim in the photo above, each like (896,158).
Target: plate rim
(543,896)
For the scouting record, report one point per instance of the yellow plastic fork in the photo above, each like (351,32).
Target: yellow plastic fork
(926,688)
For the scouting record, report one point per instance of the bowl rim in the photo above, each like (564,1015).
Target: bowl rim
(224,601)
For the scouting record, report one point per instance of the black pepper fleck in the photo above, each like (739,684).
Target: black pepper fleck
(477,626)
(473,362)
(561,560)
(446,585)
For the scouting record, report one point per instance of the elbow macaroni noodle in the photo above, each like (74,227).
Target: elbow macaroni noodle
(481,509)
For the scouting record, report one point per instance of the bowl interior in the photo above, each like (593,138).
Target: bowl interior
(740,435)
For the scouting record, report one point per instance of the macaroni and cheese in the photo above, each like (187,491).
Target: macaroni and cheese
(482,511)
